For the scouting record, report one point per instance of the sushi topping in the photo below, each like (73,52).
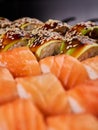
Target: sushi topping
(56,26)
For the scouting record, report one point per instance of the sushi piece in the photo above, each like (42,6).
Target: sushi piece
(56,26)
(72,122)
(21,115)
(20,62)
(44,43)
(13,38)
(46,92)
(91,32)
(83,97)
(78,29)
(78,43)
(68,69)
(80,47)
(8,89)
(27,23)
(91,65)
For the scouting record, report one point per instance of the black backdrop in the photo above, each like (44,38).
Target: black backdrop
(45,9)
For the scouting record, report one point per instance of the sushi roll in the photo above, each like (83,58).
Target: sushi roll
(80,47)
(56,26)
(27,23)
(44,43)
(12,38)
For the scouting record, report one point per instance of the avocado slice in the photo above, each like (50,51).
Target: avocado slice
(85,51)
(48,48)
(71,51)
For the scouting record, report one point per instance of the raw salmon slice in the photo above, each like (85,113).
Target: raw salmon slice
(84,97)
(72,122)
(21,115)
(20,62)
(68,69)
(91,65)
(5,74)
(47,93)
(8,90)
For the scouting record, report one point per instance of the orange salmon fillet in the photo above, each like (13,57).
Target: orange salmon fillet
(8,89)
(20,62)
(84,97)
(91,65)
(46,92)
(72,122)
(68,69)
(21,115)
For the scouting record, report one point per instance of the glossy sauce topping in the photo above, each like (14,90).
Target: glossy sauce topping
(56,26)
(77,42)
(50,26)
(77,29)
(25,20)
(9,37)
(42,37)
(74,37)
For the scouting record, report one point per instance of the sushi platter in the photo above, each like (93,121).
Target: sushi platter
(48,75)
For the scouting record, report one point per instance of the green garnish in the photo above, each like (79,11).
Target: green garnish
(86,31)
(70,51)
(63,47)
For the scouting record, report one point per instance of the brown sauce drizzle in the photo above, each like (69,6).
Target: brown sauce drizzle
(78,42)
(9,37)
(50,26)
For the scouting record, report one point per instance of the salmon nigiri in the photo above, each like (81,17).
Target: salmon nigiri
(47,93)
(68,69)
(84,97)
(20,115)
(20,62)
(91,65)
(72,122)
(8,90)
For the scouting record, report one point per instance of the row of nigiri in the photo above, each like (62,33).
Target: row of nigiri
(22,62)
(41,103)
(49,95)
(22,114)
(66,70)
(58,92)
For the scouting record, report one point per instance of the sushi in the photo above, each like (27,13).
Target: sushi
(81,41)
(20,62)
(68,69)
(83,97)
(21,115)
(91,65)
(48,80)
(8,88)
(46,92)
(72,122)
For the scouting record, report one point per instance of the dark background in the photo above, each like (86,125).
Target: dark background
(45,9)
